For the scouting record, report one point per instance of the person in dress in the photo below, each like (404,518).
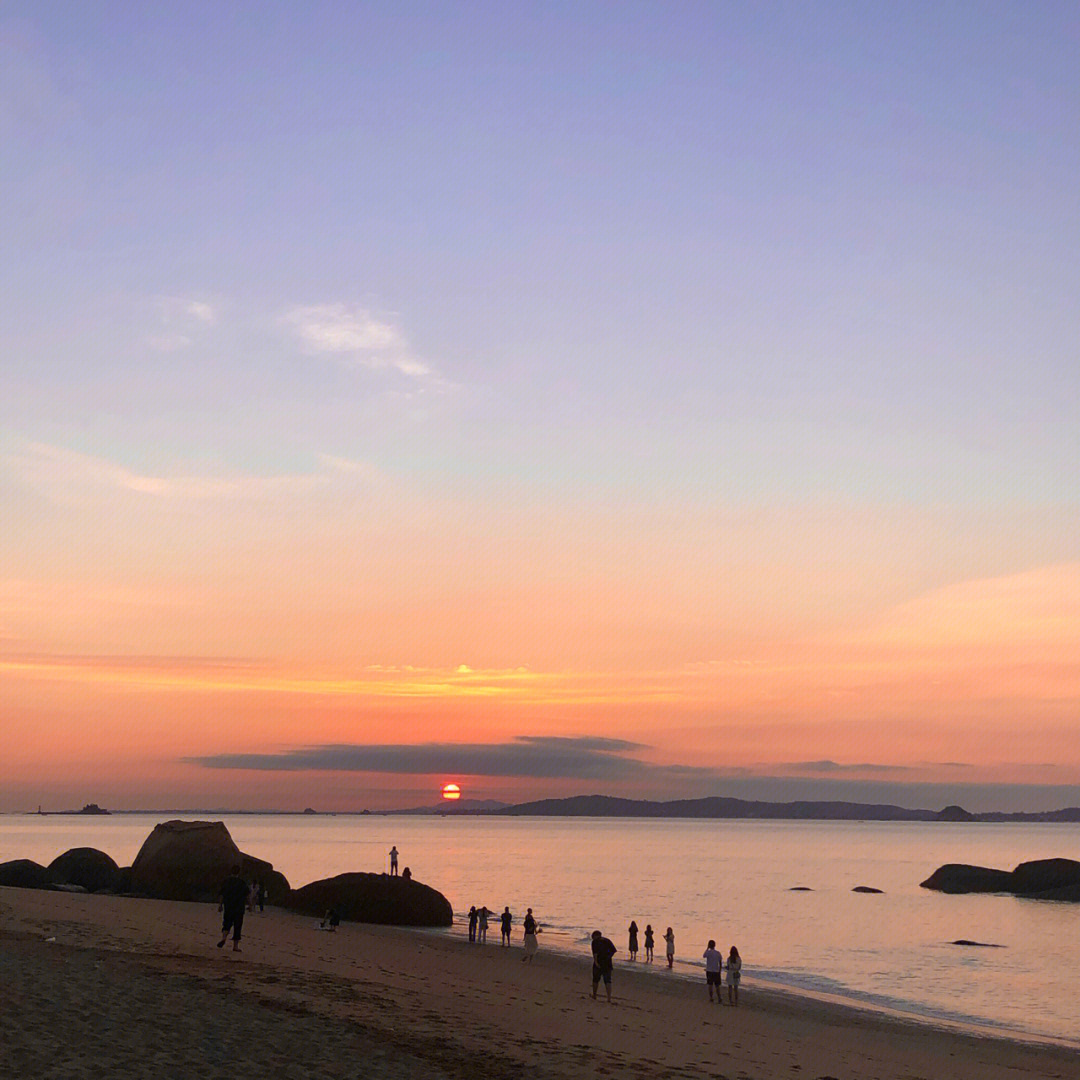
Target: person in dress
(714,965)
(531,930)
(734,974)
(603,953)
(632,946)
(481,925)
(648,944)
(669,938)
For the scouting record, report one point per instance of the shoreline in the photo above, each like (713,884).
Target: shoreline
(427,996)
(692,972)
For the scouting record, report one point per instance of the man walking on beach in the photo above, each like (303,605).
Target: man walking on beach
(603,952)
(234,894)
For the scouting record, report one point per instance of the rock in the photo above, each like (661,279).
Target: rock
(63,886)
(123,880)
(866,889)
(800,888)
(1066,892)
(374,898)
(1044,875)
(976,944)
(184,860)
(25,874)
(92,869)
(962,878)
(276,884)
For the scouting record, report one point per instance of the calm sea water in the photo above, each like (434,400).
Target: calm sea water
(728,880)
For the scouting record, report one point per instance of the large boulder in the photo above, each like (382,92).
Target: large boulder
(25,874)
(961,878)
(92,869)
(1045,875)
(275,882)
(184,860)
(374,898)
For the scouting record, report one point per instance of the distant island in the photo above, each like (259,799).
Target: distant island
(720,807)
(91,808)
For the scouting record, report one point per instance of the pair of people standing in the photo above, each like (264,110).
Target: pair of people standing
(714,966)
(478,925)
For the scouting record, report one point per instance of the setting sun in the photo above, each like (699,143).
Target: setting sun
(451,791)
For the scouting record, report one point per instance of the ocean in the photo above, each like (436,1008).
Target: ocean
(727,880)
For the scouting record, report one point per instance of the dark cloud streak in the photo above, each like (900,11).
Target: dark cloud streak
(535,757)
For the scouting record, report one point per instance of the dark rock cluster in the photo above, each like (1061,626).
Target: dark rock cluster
(1042,879)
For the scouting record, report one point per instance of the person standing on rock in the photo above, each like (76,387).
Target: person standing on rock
(393,860)
(234,896)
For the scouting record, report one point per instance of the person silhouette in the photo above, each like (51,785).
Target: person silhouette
(632,947)
(669,938)
(734,974)
(474,918)
(505,919)
(714,963)
(531,943)
(603,953)
(393,860)
(648,944)
(482,925)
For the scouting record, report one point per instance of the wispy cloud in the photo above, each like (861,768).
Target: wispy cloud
(179,317)
(68,473)
(357,335)
(532,756)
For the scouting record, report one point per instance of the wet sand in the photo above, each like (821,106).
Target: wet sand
(137,988)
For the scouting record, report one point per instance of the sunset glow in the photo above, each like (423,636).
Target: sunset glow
(615,411)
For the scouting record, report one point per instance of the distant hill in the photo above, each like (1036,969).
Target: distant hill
(719,807)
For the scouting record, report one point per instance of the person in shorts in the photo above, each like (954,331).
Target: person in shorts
(603,953)
(714,971)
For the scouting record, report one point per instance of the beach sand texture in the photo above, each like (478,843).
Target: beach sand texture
(136,988)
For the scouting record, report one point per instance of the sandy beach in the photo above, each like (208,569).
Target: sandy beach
(104,986)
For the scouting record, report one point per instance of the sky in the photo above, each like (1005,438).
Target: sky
(660,400)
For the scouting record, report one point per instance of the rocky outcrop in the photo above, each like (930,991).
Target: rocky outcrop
(374,898)
(1045,875)
(1043,879)
(865,889)
(188,860)
(961,878)
(954,813)
(92,869)
(25,874)
(184,860)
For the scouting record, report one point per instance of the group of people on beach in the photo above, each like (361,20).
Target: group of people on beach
(669,941)
(478,928)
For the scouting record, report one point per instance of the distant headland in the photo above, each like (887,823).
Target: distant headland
(91,809)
